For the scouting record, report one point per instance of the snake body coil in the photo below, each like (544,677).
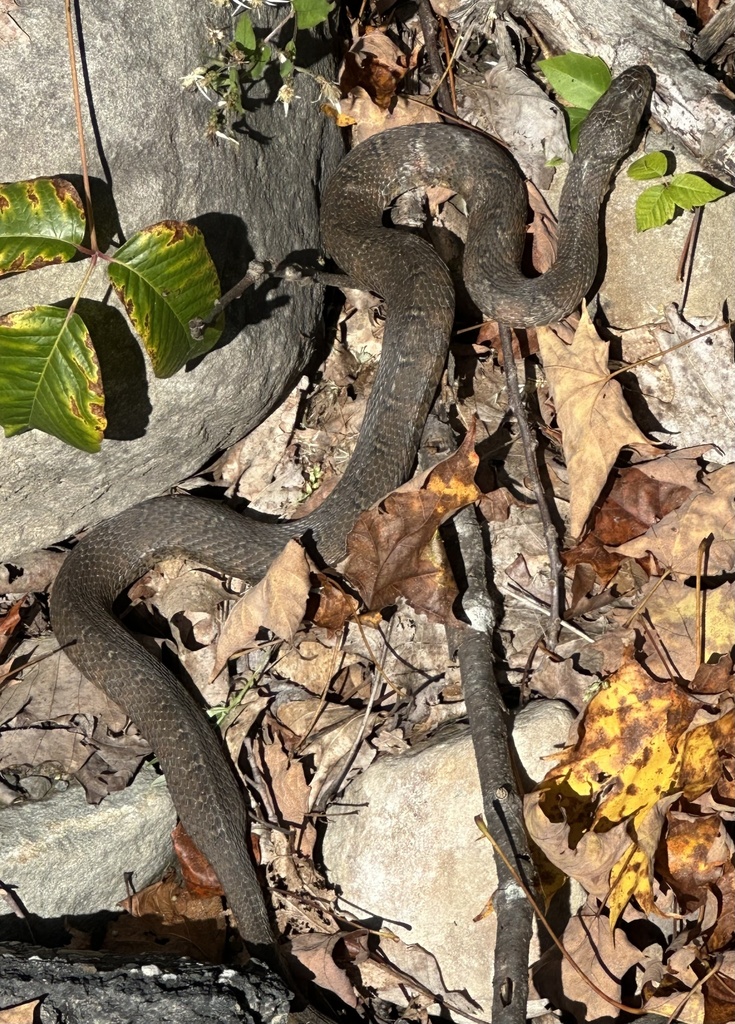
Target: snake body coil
(416,286)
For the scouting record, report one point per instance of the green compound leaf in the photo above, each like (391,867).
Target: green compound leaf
(690,190)
(165,277)
(652,165)
(654,208)
(578,79)
(311,12)
(50,378)
(41,222)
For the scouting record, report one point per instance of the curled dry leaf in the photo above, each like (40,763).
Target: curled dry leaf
(376,64)
(198,873)
(277,602)
(594,418)
(198,922)
(605,956)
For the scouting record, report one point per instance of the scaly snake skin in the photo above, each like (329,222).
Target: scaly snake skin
(418,291)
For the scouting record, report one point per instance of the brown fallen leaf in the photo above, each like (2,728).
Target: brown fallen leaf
(376,64)
(198,874)
(605,956)
(593,416)
(22,1013)
(393,551)
(334,605)
(277,602)
(288,783)
(369,119)
(591,551)
(672,608)
(634,503)
(698,851)
(165,915)
(675,540)
(314,951)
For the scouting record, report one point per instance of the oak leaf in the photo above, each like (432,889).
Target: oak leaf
(594,418)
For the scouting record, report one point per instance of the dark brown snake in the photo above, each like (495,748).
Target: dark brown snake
(418,291)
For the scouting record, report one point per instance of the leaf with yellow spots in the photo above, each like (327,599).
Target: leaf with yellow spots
(644,742)
(50,377)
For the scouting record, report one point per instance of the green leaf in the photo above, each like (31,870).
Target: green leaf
(245,33)
(286,70)
(50,378)
(577,78)
(690,190)
(654,208)
(577,116)
(260,63)
(165,277)
(311,12)
(41,222)
(652,165)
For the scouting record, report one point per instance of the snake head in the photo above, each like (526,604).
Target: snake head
(613,121)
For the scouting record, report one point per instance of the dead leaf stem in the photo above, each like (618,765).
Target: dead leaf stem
(529,447)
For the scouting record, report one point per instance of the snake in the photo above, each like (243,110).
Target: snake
(417,288)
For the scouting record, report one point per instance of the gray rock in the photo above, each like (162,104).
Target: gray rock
(256,200)
(409,852)
(88,988)
(640,275)
(63,856)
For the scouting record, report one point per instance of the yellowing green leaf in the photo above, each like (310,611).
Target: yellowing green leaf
(165,277)
(41,222)
(50,377)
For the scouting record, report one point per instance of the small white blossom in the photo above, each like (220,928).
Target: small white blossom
(286,95)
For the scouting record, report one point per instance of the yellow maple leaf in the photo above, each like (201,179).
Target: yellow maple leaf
(644,742)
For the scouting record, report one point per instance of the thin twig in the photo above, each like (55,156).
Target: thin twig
(529,447)
(256,271)
(80,128)
(428,27)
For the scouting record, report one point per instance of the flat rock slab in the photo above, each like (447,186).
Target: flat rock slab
(62,856)
(84,988)
(150,160)
(409,856)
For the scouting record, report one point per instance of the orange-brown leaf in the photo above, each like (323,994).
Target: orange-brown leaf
(393,551)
